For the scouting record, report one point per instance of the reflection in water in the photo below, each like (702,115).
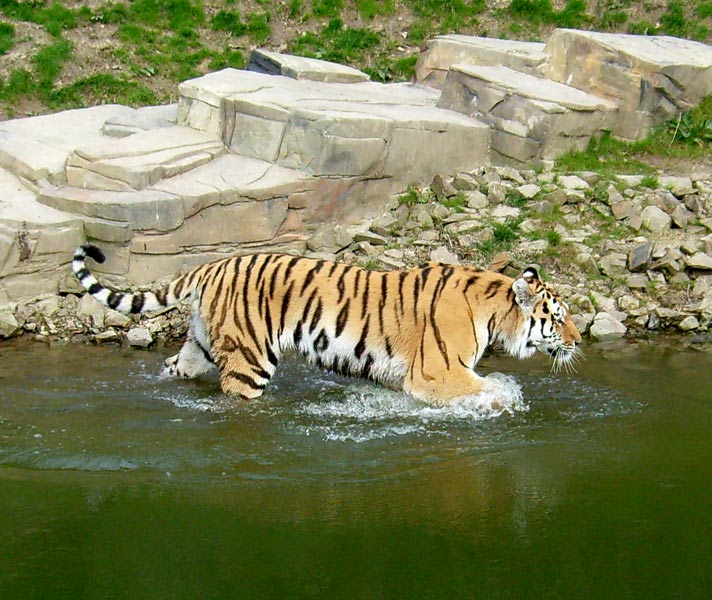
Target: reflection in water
(100,457)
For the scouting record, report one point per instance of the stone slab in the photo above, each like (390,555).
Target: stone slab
(232,178)
(142,119)
(300,67)
(651,77)
(337,129)
(143,210)
(446,50)
(533,119)
(137,161)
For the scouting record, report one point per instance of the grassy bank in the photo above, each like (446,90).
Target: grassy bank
(57,55)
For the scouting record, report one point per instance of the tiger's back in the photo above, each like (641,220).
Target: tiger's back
(421,330)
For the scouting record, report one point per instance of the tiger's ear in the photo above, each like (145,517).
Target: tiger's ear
(523,294)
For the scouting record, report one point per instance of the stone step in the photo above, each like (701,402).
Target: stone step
(300,67)
(651,78)
(37,147)
(444,51)
(356,129)
(36,242)
(140,160)
(533,119)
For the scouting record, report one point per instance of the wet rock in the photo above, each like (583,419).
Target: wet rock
(605,328)
(139,337)
(655,219)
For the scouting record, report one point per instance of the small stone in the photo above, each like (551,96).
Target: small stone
(8,324)
(445,256)
(107,336)
(679,186)
(48,306)
(476,199)
(639,257)
(655,219)
(573,182)
(699,260)
(624,209)
(139,337)
(613,263)
(394,253)
(637,281)
(465,182)
(529,190)
(442,188)
(502,212)
(689,323)
(500,262)
(605,328)
(372,238)
(114,318)
(496,193)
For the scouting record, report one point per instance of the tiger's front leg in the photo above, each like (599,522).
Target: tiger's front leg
(443,388)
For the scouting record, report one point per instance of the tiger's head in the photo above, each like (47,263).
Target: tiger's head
(550,328)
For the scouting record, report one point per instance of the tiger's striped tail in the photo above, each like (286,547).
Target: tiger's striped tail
(125,302)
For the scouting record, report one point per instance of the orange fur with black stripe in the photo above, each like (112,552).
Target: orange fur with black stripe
(421,330)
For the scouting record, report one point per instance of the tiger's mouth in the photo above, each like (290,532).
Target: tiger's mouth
(564,358)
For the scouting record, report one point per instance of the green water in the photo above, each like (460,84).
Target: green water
(116,483)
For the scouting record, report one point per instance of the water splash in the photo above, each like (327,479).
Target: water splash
(363,412)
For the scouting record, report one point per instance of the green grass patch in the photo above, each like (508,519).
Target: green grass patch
(455,203)
(369,9)
(676,22)
(606,155)
(385,69)
(54,17)
(102,88)
(336,43)
(7,37)
(413,196)
(228,20)
(48,62)
(542,12)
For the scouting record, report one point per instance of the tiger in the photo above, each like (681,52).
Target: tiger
(420,330)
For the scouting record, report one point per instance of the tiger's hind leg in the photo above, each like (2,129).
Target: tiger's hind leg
(192,361)
(194,358)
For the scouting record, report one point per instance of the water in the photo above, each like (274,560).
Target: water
(118,483)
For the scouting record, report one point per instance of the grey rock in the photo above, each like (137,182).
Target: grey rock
(699,260)
(606,328)
(139,337)
(639,257)
(8,325)
(689,323)
(655,219)
(681,216)
(443,255)
(372,238)
(637,281)
(679,186)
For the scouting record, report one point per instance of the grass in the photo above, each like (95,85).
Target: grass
(159,42)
